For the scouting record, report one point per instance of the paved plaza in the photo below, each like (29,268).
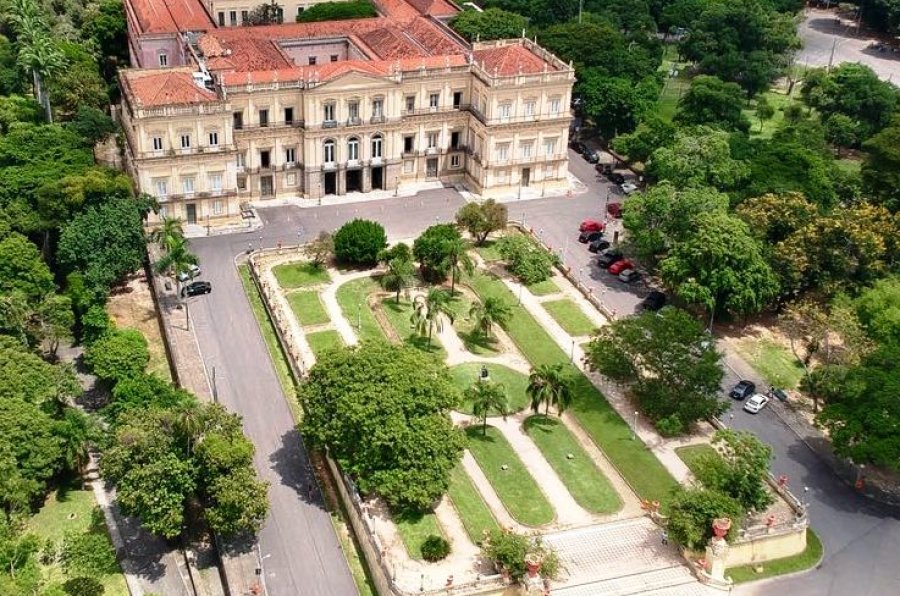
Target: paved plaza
(829,41)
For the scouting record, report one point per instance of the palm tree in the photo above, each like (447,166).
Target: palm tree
(547,384)
(492,311)
(177,260)
(399,275)
(487,397)
(39,55)
(457,260)
(429,312)
(169,233)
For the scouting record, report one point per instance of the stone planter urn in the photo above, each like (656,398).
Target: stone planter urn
(720,526)
(533,565)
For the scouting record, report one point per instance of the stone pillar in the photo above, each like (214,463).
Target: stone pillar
(717,555)
(532,584)
(341,182)
(367,179)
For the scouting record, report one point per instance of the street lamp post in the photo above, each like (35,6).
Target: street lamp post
(521,285)
(359,316)
(572,352)
(634,426)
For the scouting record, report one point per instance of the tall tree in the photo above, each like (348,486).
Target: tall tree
(881,167)
(492,311)
(457,261)
(698,157)
(489,24)
(548,385)
(482,219)
(399,275)
(713,102)
(429,312)
(169,233)
(487,397)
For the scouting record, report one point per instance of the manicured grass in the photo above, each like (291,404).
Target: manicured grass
(351,296)
(775,363)
(474,341)
(586,483)
(414,528)
(360,574)
(570,317)
(515,383)
(308,308)
(673,89)
(324,340)
(474,513)
(279,360)
(544,288)
(399,317)
(691,454)
(809,557)
(489,252)
(637,464)
(68,510)
(515,486)
(778,100)
(298,275)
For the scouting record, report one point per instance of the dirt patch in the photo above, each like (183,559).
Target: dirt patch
(131,305)
(374,301)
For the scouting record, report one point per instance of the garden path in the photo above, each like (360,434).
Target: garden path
(329,299)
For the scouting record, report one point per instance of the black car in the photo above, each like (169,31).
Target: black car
(608,257)
(598,245)
(654,301)
(586,237)
(580,147)
(742,389)
(591,156)
(196,288)
(616,178)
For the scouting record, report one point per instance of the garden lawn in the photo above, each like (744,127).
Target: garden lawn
(489,252)
(513,381)
(474,513)
(778,100)
(308,308)
(809,557)
(324,340)
(414,528)
(690,454)
(70,510)
(585,482)
(775,363)
(543,288)
(278,358)
(474,341)
(399,317)
(300,274)
(515,486)
(637,464)
(570,317)
(351,297)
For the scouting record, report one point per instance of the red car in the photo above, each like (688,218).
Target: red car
(615,210)
(620,266)
(591,225)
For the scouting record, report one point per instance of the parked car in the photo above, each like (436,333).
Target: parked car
(591,225)
(591,156)
(615,177)
(598,245)
(620,266)
(608,257)
(629,276)
(192,272)
(580,147)
(604,168)
(756,403)
(654,301)
(628,187)
(742,390)
(614,210)
(196,288)
(588,237)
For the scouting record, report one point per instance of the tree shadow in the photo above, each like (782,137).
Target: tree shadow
(475,340)
(541,423)
(294,467)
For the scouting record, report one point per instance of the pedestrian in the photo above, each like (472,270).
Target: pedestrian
(665,537)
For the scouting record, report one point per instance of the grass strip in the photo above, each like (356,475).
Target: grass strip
(320,341)
(810,556)
(634,461)
(398,315)
(360,573)
(515,383)
(514,485)
(586,483)
(472,339)
(308,308)
(489,252)
(351,297)
(570,317)
(474,513)
(414,527)
(279,360)
(301,274)
(691,454)
(543,288)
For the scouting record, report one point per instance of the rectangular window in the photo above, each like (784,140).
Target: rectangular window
(218,207)
(163,60)
(377,108)
(329,152)
(221,19)
(529,108)
(290,155)
(242,182)
(232,17)
(215,182)
(503,151)
(505,109)
(244,16)
(328,115)
(264,161)
(457,99)
(241,161)
(300,10)
(408,144)
(213,139)
(264,117)
(501,176)
(433,100)
(432,139)
(554,106)
(334,57)
(526,150)
(157,143)
(353,111)
(237,119)
(185,141)
(312,60)
(376,147)
(410,103)
(187,185)
(353,150)
(163,211)
(454,140)
(288,115)
(161,187)
(549,147)
(454,160)
(408,166)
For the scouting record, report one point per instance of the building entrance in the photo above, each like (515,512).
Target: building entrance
(329,182)
(354,180)
(378,178)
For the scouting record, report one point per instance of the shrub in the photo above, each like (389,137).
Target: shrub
(482,219)
(119,354)
(508,551)
(83,586)
(691,514)
(431,250)
(525,259)
(89,554)
(435,548)
(95,324)
(359,242)
(335,11)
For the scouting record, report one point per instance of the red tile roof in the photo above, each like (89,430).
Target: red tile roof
(171,16)
(511,60)
(435,8)
(151,88)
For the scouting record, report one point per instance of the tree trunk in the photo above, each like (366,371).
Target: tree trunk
(399,289)
(547,409)
(453,281)
(42,97)
(484,426)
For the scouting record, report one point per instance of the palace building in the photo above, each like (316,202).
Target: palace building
(218,115)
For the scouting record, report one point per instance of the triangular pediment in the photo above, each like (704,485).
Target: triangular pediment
(355,80)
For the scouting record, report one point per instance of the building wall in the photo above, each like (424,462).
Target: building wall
(224,8)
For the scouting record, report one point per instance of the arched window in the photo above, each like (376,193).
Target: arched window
(377,142)
(353,149)
(329,151)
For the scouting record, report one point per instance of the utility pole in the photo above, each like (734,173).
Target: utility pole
(580,10)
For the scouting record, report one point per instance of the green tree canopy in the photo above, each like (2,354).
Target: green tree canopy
(492,23)
(359,242)
(698,157)
(119,354)
(616,104)
(22,269)
(482,219)
(739,469)
(335,11)
(692,512)
(433,250)
(27,377)
(670,362)
(713,102)
(881,167)
(650,135)
(382,411)
(878,308)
